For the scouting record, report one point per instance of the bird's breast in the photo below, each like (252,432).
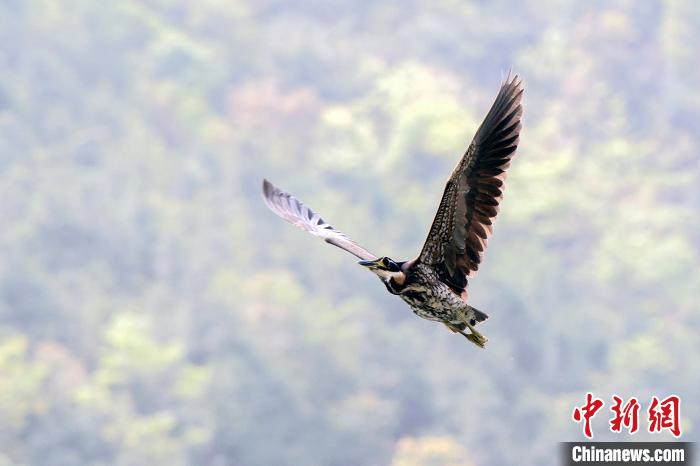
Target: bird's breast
(430,298)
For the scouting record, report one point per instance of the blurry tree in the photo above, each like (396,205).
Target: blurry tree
(152,311)
(430,451)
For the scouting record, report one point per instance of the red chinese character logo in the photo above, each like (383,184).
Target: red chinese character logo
(627,416)
(586,413)
(665,414)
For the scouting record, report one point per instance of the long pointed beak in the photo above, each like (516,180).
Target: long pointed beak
(368,263)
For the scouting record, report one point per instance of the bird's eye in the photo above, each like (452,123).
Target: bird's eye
(385,262)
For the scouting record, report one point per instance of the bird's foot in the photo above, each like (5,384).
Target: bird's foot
(475,337)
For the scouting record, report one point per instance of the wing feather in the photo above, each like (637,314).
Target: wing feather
(297,213)
(470,202)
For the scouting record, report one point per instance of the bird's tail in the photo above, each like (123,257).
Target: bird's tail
(479,316)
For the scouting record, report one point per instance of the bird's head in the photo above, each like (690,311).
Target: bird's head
(383,267)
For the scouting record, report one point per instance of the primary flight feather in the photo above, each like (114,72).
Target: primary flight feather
(434,283)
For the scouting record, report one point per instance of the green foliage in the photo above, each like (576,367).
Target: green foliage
(152,311)
(20,389)
(430,451)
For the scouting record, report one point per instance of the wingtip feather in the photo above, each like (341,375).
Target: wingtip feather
(268,188)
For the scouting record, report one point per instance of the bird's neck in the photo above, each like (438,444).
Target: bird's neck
(395,283)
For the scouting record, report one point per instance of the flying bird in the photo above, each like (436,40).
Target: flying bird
(434,284)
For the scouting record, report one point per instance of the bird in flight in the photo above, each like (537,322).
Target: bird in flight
(434,284)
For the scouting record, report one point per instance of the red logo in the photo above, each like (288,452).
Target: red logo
(662,415)
(665,414)
(586,413)
(627,416)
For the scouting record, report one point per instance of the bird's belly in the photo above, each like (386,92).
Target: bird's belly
(432,304)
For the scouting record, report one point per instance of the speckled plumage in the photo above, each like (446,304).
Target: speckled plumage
(432,299)
(434,284)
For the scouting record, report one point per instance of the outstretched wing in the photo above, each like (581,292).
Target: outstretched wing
(295,212)
(463,223)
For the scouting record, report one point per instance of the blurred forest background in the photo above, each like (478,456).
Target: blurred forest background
(153,311)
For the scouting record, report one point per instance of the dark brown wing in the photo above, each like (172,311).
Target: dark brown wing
(295,212)
(463,222)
